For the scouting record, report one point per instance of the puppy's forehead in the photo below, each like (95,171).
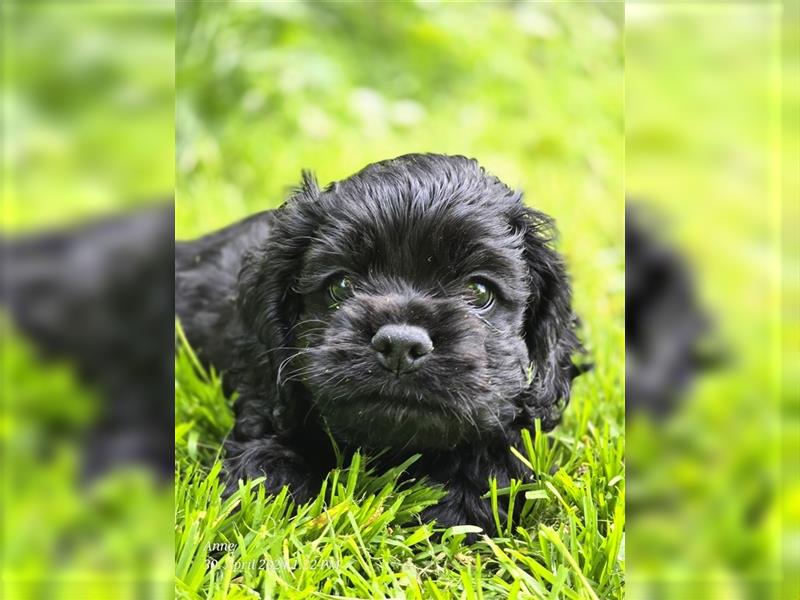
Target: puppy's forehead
(420,226)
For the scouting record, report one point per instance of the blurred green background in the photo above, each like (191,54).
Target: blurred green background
(88,109)
(713,491)
(264,90)
(88,131)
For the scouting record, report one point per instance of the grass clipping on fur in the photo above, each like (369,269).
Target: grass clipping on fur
(361,537)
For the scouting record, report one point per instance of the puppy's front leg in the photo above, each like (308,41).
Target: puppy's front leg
(463,505)
(271,458)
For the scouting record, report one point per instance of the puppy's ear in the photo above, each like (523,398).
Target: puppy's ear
(549,323)
(269,308)
(266,279)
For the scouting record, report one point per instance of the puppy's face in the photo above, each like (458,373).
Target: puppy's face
(413,328)
(410,302)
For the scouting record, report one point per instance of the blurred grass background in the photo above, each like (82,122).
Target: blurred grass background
(713,492)
(533,91)
(266,90)
(88,131)
(88,110)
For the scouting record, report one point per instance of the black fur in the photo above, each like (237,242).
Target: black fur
(410,233)
(668,333)
(77,293)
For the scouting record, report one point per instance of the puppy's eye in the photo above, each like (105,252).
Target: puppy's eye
(341,288)
(480,295)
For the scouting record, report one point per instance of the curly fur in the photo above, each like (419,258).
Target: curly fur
(410,232)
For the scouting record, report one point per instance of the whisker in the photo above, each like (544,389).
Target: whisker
(279,348)
(287,361)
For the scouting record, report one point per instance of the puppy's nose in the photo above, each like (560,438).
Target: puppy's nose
(401,348)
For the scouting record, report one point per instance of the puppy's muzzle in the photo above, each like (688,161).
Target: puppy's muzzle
(401,348)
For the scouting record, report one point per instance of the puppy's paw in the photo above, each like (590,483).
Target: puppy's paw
(464,507)
(268,457)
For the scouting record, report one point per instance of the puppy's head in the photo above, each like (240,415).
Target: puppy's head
(416,304)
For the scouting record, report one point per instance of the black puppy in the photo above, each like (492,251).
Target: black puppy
(77,293)
(669,335)
(414,307)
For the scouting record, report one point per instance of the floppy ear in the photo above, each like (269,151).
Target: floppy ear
(269,308)
(549,323)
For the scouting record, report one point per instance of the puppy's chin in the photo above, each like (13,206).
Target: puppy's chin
(410,422)
(397,423)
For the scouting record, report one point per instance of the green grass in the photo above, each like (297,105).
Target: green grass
(361,537)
